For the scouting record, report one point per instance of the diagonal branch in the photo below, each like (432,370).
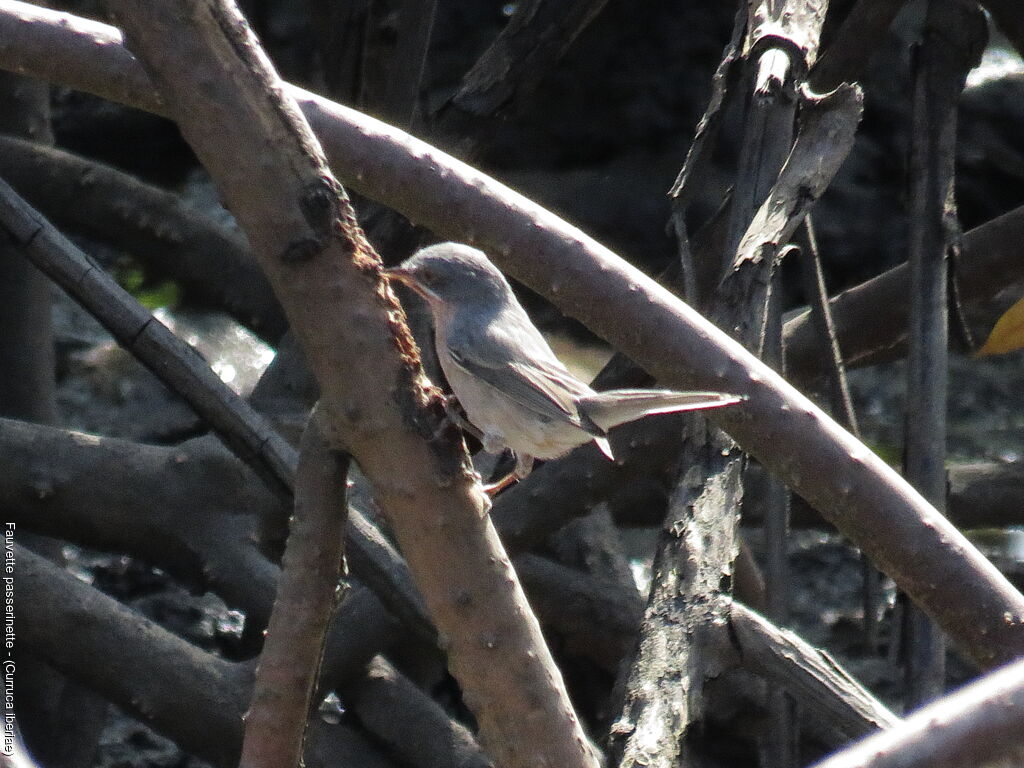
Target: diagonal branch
(170,238)
(871,318)
(172,360)
(810,675)
(978,725)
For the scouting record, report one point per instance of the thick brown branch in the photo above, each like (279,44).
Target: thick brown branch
(231,107)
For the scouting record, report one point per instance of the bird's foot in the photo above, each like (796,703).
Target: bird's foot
(524,465)
(493,489)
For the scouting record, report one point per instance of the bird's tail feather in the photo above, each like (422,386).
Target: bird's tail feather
(618,406)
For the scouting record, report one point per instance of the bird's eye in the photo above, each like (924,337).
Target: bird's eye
(428,276)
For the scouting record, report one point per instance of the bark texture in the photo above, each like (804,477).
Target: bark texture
(231,107)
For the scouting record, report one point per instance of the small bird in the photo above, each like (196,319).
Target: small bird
(516,393)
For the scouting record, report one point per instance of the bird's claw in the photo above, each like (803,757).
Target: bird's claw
(493,489)
(524,465)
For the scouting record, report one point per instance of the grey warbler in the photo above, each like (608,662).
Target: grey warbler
(515,392)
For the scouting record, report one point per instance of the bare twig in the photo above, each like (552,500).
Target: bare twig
(776,528)
(816,296)
(778,425)
(275,724)
(840,402)
(954,36)
(780,744)
(231,107)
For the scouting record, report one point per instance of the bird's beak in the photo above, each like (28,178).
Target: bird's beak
(403,276)
(406,277)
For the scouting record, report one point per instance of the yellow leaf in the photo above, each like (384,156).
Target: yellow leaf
(1008,333)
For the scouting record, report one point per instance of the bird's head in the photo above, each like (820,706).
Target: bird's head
(451,276)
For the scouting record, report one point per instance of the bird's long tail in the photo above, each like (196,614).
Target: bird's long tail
(618,406)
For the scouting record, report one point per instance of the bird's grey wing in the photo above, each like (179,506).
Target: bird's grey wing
(545,388)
